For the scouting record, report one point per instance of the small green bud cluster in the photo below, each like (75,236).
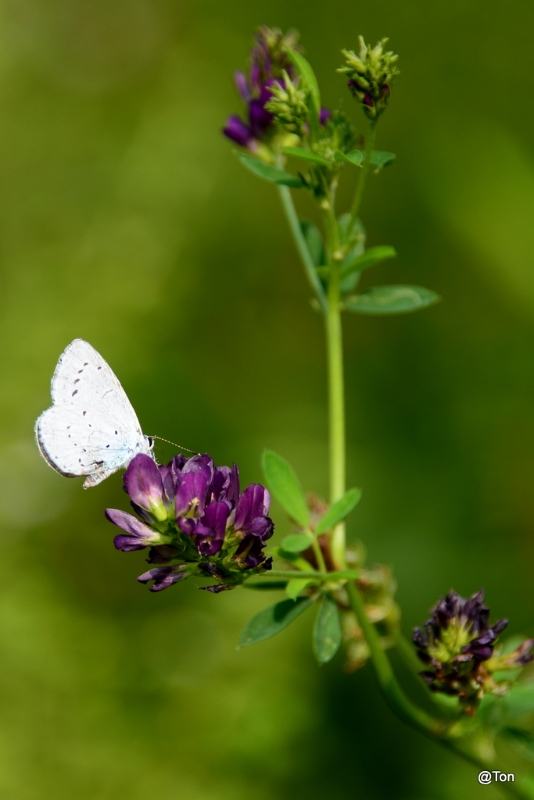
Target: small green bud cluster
(289,105)
(370,74)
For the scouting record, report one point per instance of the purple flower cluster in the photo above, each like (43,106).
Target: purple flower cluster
(195,520)
(269,59)
(457,646)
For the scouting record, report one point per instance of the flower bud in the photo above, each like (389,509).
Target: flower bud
(457,647)
(370,75)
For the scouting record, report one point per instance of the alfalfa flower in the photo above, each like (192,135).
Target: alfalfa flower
(270,66)
(371,73)
(457,647)
(195,520)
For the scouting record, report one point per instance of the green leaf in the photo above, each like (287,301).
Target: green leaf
(285,486)
(520,699)
(381,159)
(265,585)
(368,259)
(295,587)
(314,240)
(339,510)
(327,631)
(270,173)
(308,76)
(272,620)
(323,272)
(355,157)
(391,300)
(296,543)
(521,737)
(352,236)
(305,155)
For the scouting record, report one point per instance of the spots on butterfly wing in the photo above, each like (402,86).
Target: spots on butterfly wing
(84,413)
(85,363)
(99,367)
(74,392)
(77,380)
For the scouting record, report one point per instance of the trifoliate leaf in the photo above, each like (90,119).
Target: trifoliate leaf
(270,173)
(285,486)
(381,159)
(339,510)
(390,300)
(314,240)
(355,157)
(368,259)
(296,543)
(327,631)
(272,620)
(295,587)
(305,155)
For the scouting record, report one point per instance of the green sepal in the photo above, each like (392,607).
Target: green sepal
(296,542)
(295,587)
(314,240)
(339,510)
(285,486)
(272,620)
(368,259)
(305,155)
(355,157)
(380,159)
(326,631)
(265,585)
(391,300)
(307,74)
(270,173)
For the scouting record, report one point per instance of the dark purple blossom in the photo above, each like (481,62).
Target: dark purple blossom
(457,646)
(269,59)
(138,536)
(192,512)
(163,577)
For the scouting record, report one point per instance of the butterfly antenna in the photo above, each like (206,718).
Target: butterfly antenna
(179,446)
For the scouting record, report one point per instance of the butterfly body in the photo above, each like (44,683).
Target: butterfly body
(91,429)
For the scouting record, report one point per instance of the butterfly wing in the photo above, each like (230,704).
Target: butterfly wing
(91,429)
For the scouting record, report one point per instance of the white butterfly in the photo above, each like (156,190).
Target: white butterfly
(91,429)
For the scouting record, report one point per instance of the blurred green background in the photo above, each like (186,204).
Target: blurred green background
(126,220)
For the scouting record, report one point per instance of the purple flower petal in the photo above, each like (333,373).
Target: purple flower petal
(238,131)
(242,85)
(140,536)
(211,528)
(143,483)
(324,116)
(163,577)
(259,118)
(254,502)
(191,493)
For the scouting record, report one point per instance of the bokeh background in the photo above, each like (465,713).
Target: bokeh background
(126,220)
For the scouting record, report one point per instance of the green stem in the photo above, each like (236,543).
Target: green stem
(369,147)
(407,711)
(318,553)
(348,574)
(336,388)
(302,247)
